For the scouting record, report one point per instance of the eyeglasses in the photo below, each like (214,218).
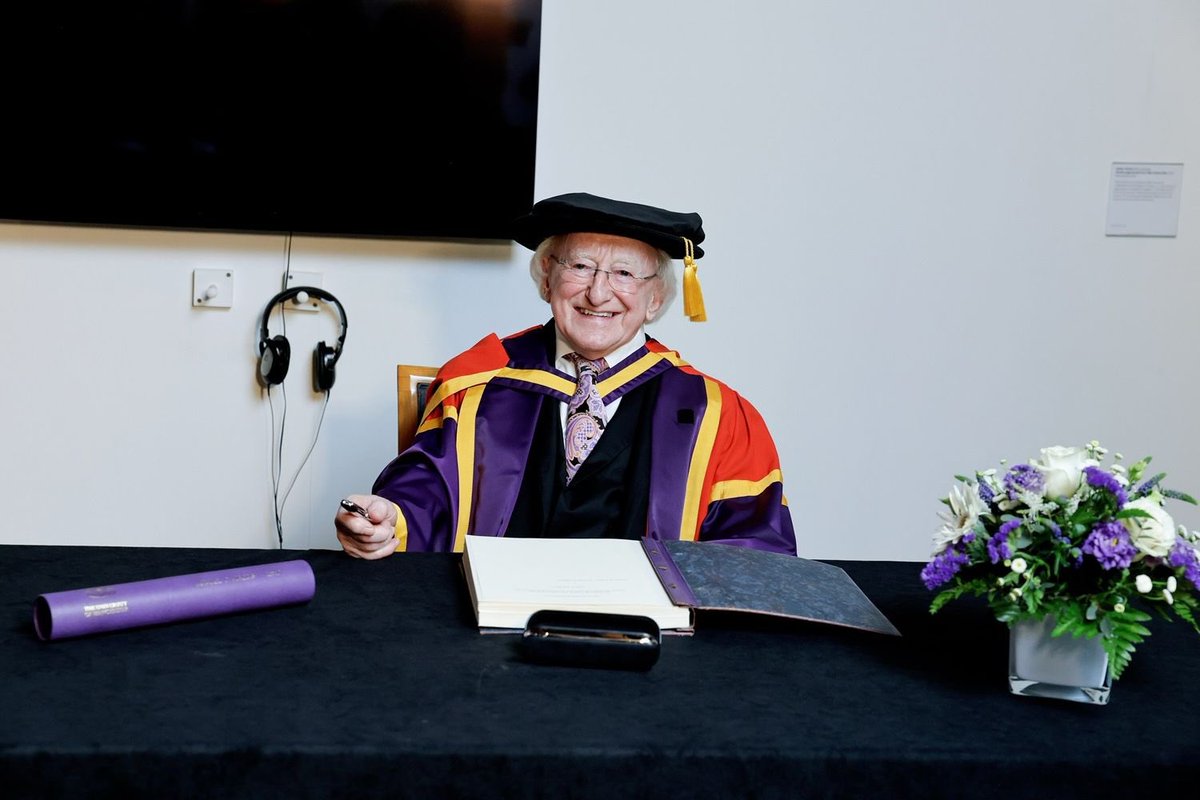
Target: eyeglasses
(621,280)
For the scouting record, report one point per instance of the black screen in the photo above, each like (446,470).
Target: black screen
(412,118)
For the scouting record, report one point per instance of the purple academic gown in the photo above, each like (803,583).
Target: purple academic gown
(714,472)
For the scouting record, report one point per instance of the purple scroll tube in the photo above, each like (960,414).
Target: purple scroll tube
(80,612)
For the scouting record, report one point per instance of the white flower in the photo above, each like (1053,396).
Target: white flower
(960,517)
(1168,597)
(1172,584)
(1062,468)
(1019,565)
(1143,583)
(1119,608)
(1153,535)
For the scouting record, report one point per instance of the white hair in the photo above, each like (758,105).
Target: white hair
(539,263)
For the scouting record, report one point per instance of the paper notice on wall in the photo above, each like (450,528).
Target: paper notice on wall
(1143,199)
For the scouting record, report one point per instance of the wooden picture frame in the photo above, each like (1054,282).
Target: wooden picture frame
(412,384)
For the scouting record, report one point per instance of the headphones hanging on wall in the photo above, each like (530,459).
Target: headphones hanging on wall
(275,352)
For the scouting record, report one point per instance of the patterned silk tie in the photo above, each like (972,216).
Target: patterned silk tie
(585,413)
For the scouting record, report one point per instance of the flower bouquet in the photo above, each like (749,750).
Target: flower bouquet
(1063,535)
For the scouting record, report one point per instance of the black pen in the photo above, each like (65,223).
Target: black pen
(355,508)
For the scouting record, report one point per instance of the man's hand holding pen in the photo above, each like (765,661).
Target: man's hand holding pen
(366,526)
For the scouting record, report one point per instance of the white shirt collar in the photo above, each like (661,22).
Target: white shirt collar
(562,350)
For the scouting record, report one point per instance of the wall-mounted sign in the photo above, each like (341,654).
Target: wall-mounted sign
(1143,199)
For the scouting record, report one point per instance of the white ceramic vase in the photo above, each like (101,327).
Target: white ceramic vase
(1064,667)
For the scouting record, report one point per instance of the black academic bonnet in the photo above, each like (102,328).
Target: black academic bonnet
(674,232)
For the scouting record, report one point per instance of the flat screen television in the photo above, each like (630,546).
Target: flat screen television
(384,118)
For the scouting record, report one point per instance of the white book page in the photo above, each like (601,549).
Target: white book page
(574,574)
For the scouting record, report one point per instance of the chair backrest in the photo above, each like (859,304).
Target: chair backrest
(412,383)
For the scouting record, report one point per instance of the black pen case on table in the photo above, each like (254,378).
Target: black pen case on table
(588,639)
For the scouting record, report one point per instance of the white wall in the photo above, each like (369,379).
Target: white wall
(906,272)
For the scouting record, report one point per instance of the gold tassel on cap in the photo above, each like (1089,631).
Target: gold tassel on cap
(693,298)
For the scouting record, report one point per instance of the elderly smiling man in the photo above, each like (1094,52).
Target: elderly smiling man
(584,426)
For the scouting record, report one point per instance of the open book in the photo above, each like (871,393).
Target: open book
(510,578)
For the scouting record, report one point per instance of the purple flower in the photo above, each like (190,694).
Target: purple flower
(1100,479)
(1057,535)
(1149,486)
(944,566)
(997,546)
(985,493)
(1110,545)
(1024,477)
(1184,555)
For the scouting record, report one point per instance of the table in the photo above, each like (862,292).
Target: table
(383,686)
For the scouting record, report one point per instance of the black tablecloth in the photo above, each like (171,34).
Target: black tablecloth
(382,686)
